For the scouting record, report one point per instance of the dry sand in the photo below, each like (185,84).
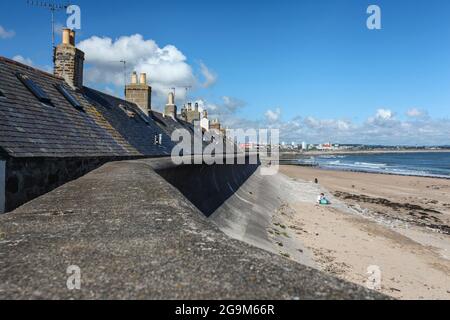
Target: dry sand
(399,225)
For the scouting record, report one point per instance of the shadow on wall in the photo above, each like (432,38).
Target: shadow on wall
(208,187)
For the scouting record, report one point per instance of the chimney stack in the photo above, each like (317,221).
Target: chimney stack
(69,61)
(171,108)
(192,113)
(139,93)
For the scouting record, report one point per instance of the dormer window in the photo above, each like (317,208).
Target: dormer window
(69,97)
(40,94)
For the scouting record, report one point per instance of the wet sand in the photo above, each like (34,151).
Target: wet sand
(397,224)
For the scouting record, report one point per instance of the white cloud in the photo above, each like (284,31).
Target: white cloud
(382,128)
(416,113)
(210,77)
(232,105)
(227,107)
(384,114)
(6,34)
(166,67)
(23,60)
(273,116)
(27,61)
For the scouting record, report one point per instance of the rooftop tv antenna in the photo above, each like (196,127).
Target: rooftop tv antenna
(53,8)
(124,62)
(187,88)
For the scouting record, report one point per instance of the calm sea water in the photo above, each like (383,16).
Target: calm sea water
(417,164)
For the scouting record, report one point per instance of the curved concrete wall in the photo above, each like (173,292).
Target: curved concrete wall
(241,201)
(208,187)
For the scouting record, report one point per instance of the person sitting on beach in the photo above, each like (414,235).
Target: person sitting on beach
(323,200)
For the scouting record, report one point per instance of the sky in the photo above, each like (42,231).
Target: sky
(311,68)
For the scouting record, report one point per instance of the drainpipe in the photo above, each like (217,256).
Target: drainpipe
(2,185)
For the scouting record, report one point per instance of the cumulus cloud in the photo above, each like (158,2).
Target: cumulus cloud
(6,34)
(381,128)
(166,67)
(273,116)
(384,114)
(23,60)
(226,107)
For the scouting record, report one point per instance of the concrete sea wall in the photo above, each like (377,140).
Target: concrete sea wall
(135,236)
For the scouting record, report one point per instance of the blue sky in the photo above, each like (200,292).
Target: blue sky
(304,66)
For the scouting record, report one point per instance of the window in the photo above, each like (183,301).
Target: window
(2,95)
(69,97)
(158,139)
(34,88)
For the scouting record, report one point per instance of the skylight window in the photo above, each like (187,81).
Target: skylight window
(69,97)
(2,95)
(34,88)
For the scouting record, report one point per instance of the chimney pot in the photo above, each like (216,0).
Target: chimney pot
(72,37)
(143,79)
(134,78)
(66,36)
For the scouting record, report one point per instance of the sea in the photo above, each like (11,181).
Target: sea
(425,164)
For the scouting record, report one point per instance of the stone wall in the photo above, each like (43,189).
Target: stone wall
(29,178)
(2,185)
(69,63)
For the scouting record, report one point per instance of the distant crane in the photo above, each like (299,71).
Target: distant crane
(53,7)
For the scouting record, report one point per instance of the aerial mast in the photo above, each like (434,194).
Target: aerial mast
(53,8)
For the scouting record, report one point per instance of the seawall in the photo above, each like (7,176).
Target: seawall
(135,236)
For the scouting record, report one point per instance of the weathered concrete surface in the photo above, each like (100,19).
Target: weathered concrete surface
(134,236)
(249,215)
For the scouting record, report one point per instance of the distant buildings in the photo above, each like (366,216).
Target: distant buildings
(304,146)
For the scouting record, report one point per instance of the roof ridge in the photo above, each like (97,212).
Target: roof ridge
(28,67)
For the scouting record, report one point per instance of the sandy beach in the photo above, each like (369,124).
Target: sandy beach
(397,225)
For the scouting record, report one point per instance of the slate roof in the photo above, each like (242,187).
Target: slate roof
(131,122)
(105,127)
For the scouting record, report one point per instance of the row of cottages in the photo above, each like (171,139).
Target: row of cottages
(53,129)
